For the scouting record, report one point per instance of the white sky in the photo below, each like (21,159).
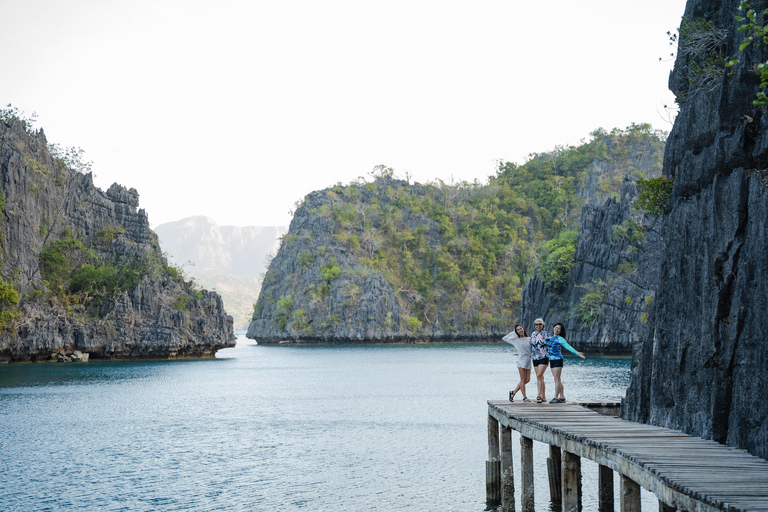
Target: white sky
(237,109)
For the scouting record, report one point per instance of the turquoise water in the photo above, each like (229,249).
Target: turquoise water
(336,428)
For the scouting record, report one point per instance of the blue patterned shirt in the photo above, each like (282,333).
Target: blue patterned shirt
(539,345)
(553,346)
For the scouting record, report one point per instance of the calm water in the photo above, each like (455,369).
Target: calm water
(360,428)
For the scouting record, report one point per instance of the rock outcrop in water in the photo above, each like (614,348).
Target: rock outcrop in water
(393,261)
(700,366)
(82,273)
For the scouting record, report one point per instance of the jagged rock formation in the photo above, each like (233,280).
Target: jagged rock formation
(604,305)
(58,228)
(300,303)
(229,259)
(700,366)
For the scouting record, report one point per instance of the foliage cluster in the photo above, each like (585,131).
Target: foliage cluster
(654,195)
(556,268)
(589,306)
(284,308)
(702,43)
(628,230)
(755,30)
(9,300)
(10,112)
(74,274)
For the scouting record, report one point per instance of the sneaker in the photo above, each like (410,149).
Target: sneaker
(555,401)
(561,400)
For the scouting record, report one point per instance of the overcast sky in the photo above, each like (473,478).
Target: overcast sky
(237,109)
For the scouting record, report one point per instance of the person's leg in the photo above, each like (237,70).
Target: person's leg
(525,378)
(540,369)
(521,384)
(558,383)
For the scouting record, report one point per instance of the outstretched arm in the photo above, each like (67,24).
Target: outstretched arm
(569,348)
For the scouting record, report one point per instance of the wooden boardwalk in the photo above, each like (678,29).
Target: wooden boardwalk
(685,473)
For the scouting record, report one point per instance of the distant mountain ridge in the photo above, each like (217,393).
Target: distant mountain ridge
(229,259)
(214,249)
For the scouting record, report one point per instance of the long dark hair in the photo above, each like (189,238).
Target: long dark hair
(525,334)
(562,329)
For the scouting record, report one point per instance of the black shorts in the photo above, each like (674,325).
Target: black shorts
(543,360)
(556,363)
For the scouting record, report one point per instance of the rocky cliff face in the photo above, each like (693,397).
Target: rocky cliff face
(605,302)
(46,315)
(303,299)
(699,367)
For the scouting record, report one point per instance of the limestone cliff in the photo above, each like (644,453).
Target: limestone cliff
(699,365)
(393,261)
(317,290)
(82,273)
(605,302)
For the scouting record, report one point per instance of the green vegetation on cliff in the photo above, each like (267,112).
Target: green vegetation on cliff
(456,255)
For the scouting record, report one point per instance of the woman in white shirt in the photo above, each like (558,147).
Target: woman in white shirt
(522,342)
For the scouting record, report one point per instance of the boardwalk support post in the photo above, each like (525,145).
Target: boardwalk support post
(553,470)
(571,487)
(605,489)
(493,465)
(507,474)
(630,495)
(526,470)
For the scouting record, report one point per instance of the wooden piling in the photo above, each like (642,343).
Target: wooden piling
(526,472)
(630,495)
(493,465)
(553,471)
(605,489)
(507,474)
(493,438)
(571,487)
(663,507)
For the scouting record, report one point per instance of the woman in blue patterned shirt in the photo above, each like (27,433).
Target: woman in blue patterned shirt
(540,356)
(556,359)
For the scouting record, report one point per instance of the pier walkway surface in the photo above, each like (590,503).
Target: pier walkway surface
(685,473)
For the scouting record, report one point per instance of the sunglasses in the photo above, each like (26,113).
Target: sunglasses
(538,324)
